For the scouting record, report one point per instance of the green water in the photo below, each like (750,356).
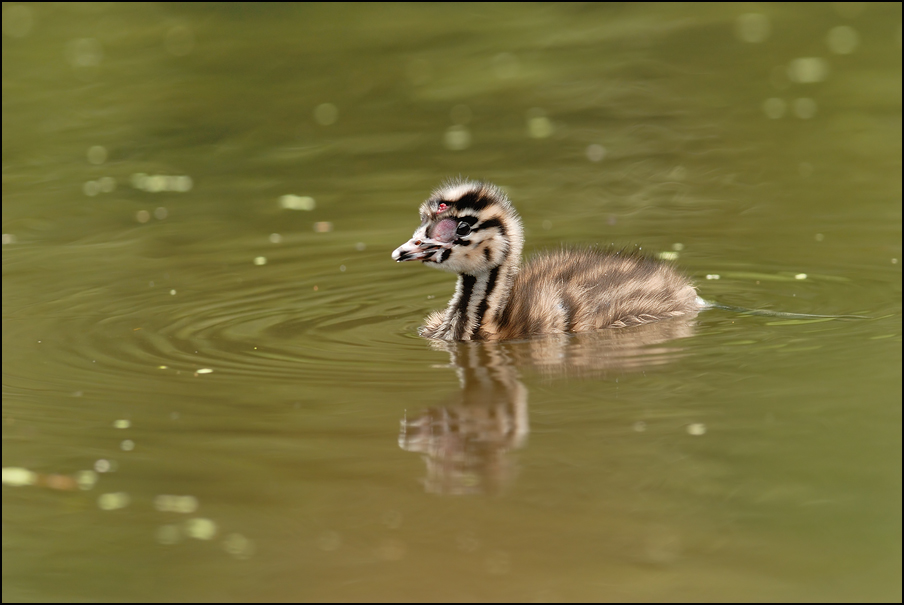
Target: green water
(147,154)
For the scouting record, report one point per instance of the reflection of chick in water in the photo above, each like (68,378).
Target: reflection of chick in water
(466,443)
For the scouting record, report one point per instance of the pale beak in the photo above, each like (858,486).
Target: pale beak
(420,249)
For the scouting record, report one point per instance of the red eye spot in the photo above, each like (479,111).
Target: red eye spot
(441,207)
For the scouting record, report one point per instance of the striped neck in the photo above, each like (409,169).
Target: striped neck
(478,303)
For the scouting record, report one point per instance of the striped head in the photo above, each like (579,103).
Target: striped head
(467,227)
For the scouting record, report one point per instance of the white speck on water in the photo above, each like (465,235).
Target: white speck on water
(538,125)
(843,40)
(326,114)
(113,501)
(752,27)
(17,476)
(297,202)
(176,504)
(696,429)
(457,138)
(808,70)
(595,153)
(86,479)
(91,188)
(200,528)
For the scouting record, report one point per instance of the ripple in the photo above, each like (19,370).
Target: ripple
(302,320)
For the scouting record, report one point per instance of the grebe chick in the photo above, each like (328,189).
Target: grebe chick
(471,228)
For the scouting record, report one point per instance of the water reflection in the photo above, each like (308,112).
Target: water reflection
(466,443)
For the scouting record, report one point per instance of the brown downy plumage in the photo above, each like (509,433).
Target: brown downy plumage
(472,229)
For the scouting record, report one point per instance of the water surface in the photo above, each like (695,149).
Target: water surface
(208,353)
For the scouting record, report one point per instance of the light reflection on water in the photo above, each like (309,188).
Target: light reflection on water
(207,351)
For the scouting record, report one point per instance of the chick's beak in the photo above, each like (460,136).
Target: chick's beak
(413,249)
(423,249)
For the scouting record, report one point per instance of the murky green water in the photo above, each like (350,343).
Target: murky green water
(208,353)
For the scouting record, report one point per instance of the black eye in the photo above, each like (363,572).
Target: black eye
(463,229)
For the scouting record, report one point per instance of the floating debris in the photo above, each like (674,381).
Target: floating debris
(17,476)
(808,70)
(457,138)
(238,546)
(752,27)
(595,153)
(97,154)
(297,202)
(156,183)
(843,40)
(696,429)
(113,501)
(176,504)
(538,125)
(200,528)
(86,479)
(326,114)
